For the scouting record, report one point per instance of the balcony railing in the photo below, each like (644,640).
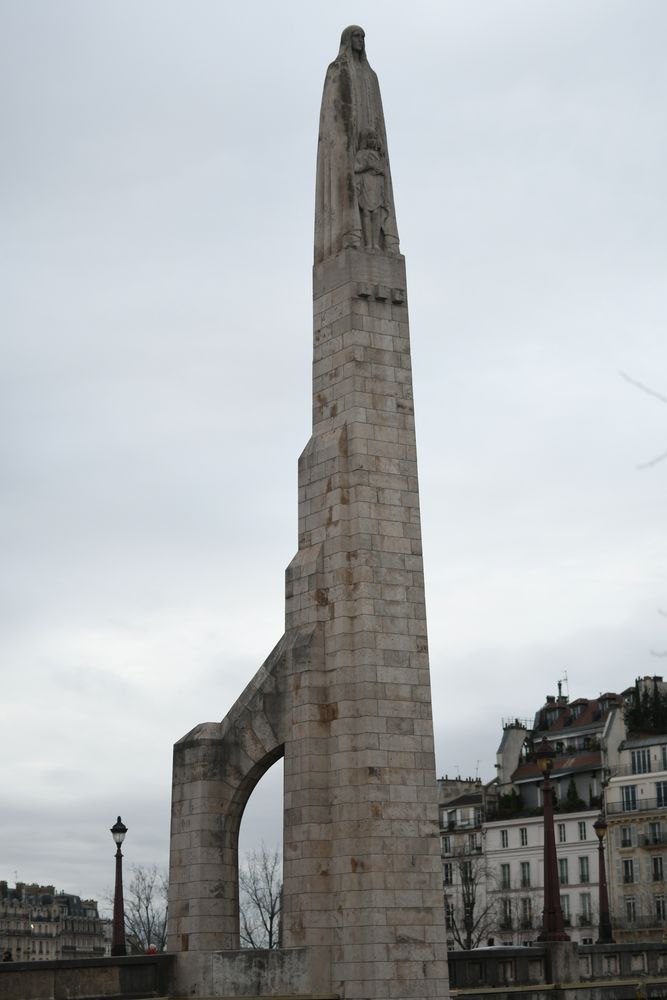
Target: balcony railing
(639,923)
(640,805)
(506,924)
(624,770)
(464,824)
(585,920)
(651,840)
(526,924)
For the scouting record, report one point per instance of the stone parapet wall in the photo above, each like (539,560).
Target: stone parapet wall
(141,976)
(569,971)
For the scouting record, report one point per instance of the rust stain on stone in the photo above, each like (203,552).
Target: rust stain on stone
(328,712)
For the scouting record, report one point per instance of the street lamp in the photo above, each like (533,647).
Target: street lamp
(553,925)
(118,831)
(600,827)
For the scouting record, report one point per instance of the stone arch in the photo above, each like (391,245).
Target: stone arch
(216,767)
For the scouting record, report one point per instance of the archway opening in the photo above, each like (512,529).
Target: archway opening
(260,856)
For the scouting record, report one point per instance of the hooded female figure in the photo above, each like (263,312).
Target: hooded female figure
(351,108)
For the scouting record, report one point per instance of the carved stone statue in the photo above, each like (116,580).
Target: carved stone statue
(370,168)
(354,204)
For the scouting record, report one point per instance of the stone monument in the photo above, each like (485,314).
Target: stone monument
(345,695)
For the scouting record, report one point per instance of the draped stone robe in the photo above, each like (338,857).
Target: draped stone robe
(351,104)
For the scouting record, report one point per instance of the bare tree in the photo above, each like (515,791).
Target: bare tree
(651,462)
(656,395)
(471,912)
(146,909)
(260,891)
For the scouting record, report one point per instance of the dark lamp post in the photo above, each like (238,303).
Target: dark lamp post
(118,831)
(605,935)
(553,925)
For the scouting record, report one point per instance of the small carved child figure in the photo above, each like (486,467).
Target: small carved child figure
(370,168)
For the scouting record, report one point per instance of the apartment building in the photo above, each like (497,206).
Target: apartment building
(636,810)
(37,923)
(610,756)
(514,852)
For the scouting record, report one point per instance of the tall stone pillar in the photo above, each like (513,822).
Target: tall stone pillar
(345,696)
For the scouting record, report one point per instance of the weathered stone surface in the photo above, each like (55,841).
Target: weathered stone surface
(345,695)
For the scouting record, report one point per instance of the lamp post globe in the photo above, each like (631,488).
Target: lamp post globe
(118,831)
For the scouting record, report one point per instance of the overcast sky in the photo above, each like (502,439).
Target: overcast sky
(157,188)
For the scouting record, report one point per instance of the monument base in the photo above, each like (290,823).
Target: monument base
(285,972)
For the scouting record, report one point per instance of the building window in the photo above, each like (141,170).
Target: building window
(657,868)
(526,913)
(628,870)
(473,846)
(506,915)
(629,793)
(641,761)
(655,833)
(449,913)
(562,871)
(523,830)
(525,874)
(660,909)
(447,873)
(661,793)
(565,908)
(584,874)
(504,838)
(466,872)
(562,836)
(626,836)
(664,756)
(630,907)
(446,845)
(504,876)
(582,829)
(585,905)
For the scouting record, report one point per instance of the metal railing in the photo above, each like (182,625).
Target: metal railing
(624,770)
(641,923)
(651,840)
(639,805)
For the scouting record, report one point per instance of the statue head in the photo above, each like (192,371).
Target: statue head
(369,139)
(352,41)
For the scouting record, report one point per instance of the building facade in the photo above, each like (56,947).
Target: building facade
(37,924)
(636,809)
(610,757)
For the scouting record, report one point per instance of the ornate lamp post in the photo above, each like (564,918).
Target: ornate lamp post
(600,827)
(553,925)
(118,831)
